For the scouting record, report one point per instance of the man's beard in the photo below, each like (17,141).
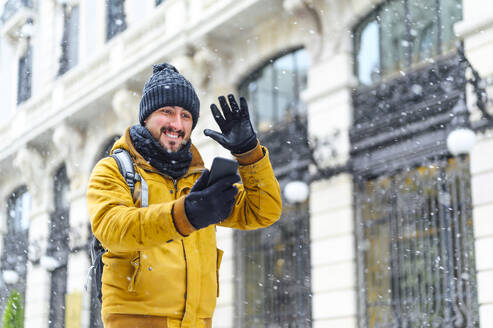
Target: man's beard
(183,142)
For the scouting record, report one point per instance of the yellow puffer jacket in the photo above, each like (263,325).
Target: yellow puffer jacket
(156,263)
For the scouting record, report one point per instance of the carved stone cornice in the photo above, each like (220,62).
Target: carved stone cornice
(69,141)
(196,65)
(307,11)
(125,105)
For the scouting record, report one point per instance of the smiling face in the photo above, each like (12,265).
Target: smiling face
(171,126)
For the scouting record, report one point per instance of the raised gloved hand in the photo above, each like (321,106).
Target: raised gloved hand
(206,205)
(237,132)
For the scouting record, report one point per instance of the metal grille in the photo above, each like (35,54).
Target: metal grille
(416,248)
(273,273)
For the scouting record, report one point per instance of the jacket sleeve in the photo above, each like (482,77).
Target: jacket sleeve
(116,222)
(258,202)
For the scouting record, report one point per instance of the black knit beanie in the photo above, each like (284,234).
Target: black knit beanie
(167,87)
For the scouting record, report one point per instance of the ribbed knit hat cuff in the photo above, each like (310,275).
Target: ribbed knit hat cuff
(169,95)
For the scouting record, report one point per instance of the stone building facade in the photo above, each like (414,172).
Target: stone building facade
(377,235)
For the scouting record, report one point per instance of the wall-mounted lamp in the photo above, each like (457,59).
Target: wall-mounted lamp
(10,277)
(297,190)
(27,29)
(462,135)
(34,251)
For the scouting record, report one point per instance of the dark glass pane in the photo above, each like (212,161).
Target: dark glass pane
(367,52)
(273,91)
(115,18)
(24,76)
(450,13)
(423,23)
(73,46)
(266,100)
(393,37)
(19,211)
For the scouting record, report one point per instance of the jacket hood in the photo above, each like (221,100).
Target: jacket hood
(125,142)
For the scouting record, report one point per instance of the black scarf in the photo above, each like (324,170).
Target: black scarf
(174,164)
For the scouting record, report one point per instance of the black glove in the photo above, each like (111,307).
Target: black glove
(237,132)
(206,205)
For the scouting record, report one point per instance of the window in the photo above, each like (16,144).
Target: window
(158,2)
(115,18)
(416,248)
(274,89)
(24,75)
(272,265)
(400,34)
(58,248)
(70,39)
(15,242)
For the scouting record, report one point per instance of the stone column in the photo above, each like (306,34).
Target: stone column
(476,29)
(32,169)
(329,109)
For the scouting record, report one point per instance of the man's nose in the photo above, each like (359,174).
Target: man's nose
(176,122)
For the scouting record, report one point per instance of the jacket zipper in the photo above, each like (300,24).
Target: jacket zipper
(175,185)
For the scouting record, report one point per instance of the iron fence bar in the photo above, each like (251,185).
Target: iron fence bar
(458,249)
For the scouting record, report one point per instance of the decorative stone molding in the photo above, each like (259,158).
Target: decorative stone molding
(197,65)
(125,105)
(69,143)
(306,11)
(32,170)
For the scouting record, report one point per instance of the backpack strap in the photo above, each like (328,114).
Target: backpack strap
(127,170)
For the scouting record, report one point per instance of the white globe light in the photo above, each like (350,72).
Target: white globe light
(27,30)
(296,192)
(49,263)
(10,277)
(461,141)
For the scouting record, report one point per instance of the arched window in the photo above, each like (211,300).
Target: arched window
(15,243)
(58,247)
(413,207)
(273,90)
(400,34)
(272,265)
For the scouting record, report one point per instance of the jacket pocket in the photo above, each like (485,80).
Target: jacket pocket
(218,265)
(136,267)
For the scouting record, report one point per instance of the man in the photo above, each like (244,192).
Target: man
(162,264)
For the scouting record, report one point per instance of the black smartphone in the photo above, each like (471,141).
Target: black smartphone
(221,167)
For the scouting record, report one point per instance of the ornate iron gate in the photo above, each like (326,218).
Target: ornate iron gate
(413,206)
(416,246)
